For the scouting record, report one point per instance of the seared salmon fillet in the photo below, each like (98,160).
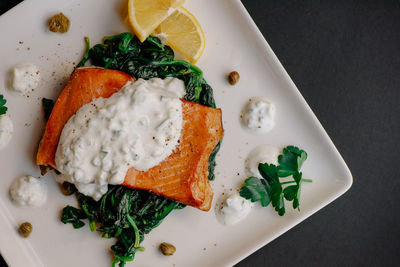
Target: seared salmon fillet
(183,176)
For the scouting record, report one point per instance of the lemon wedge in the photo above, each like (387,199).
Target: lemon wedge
(183,33)
(145,15)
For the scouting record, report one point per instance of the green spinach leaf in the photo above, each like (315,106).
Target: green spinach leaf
(74,216)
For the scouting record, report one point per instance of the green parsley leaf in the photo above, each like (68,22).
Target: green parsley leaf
(291,161)
(296,202)
(290,192)
(297,177)
(269,172)
(301,158)
(256,190)
(277,199)
(270,188)
(3,108)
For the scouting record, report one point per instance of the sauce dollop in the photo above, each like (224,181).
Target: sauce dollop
(139,126)
(234,209)
(25,78)
(258,115)
(28,191)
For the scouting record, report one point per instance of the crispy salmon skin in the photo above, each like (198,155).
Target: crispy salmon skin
(183,176)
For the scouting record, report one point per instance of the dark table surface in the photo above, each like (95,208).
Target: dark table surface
(344,56)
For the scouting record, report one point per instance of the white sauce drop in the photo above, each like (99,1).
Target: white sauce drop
(259,115)
(234,209)
(25,78)
(6,130)
(261,154)
(139,127)
(28,191)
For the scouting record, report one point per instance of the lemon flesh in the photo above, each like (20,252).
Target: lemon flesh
(183,33)
(145,15)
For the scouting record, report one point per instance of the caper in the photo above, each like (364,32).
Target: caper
(67,188)
(25,229)
(167,249)
(59,23)
(233,77)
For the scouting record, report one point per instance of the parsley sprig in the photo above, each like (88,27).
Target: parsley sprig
(3,108)
(270,189)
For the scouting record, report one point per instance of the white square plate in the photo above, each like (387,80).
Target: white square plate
(232,42)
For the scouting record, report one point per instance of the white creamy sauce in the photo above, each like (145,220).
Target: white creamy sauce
(261,154)
(259,115)
(25,78)
(234,209)
(28,191)
(6,130)
(139,126)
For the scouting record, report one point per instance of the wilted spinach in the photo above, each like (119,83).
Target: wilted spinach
(124,213)
(74,216)
(147,60)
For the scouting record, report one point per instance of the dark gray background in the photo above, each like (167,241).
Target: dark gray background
(344,56)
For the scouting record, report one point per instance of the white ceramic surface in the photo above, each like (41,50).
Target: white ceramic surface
(232,42)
